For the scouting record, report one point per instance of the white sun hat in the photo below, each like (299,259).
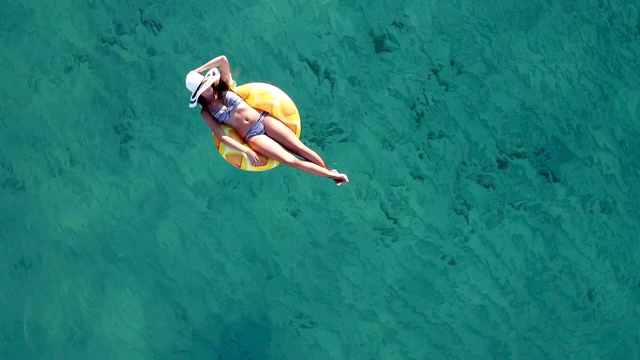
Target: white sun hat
(197,84)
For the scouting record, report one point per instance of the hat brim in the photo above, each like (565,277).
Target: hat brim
(209,79)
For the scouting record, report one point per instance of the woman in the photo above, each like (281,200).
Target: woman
(261,131)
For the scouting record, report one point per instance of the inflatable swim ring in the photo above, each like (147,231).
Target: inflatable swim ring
(267,98)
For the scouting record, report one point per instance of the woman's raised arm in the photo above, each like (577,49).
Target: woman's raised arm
(223,63)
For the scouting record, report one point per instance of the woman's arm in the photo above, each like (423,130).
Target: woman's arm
(227,140)
(223,63)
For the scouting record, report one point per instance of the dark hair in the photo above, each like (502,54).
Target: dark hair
(218,89)
(222,86)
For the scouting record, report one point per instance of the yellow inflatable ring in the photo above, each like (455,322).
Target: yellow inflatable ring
(267,98)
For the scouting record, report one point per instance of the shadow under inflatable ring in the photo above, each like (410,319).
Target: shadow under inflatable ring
(267,98)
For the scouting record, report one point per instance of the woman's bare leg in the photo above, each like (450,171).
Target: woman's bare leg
(270,148)
(285,137)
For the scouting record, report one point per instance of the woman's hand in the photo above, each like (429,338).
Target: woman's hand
(225,68)
(253,158)
(220,61)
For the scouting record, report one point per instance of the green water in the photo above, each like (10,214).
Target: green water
(493,149)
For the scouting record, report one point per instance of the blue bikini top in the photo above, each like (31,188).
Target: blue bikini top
(223,114)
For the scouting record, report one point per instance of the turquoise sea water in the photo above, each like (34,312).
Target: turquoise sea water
(493,149)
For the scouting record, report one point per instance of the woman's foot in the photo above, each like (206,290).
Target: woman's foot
(340,178)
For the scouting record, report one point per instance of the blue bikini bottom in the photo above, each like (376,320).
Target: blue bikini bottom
(257,128)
